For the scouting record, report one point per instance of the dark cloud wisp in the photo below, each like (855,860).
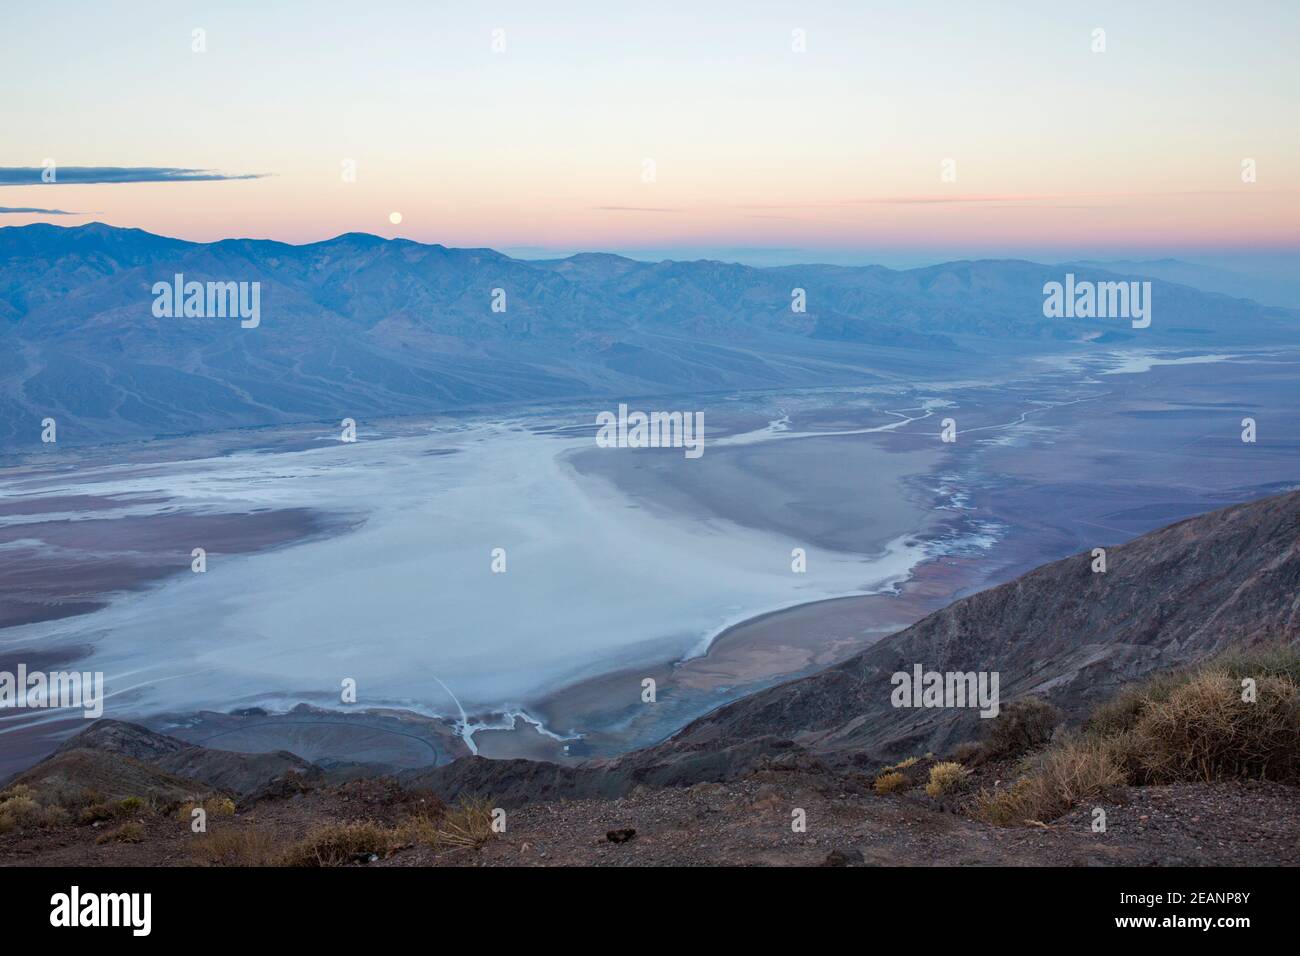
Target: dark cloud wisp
(14,211)
(83,175)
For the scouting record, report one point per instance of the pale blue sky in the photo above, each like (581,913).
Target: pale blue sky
(837,149)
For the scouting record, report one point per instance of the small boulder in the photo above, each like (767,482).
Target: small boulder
(843,856)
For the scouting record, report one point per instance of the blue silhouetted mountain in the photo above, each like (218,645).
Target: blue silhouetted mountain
(362,326)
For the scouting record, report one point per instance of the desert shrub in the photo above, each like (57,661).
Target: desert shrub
(1122,712)
(468,824)
(21,810)
(95,812)
(904,764)
(131,832)
(1205,731)
(1080,769)
(944,777)
(1118,715)
(335,844)
(60,794)
(421,826)
(1023,725)
(1275,660)
(1008,806)
(213,807)
(891,782)
(966,752)
(104,810)
(1181,726)
(1125,710)
(1074,771)
(246,847)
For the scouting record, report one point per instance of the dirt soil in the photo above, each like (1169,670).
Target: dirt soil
(747,822)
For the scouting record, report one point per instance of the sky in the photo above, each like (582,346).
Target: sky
(902,131)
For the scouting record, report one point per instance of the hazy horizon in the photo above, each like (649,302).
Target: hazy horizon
(1263,262)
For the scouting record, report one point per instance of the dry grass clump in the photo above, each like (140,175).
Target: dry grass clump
(21,810)
(466,825)
(1205,731)
(891,782)
(24,807)
(1119,715)
(132,832)
(1075,770)
(1273,660)
(213,807)
(1123,712)
(246,847)
(103,810)
(967,752)
(1188,726)
(945,777)
(334,844)
(1194,725)
(1023,725)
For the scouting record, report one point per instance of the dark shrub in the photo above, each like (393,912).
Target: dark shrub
(1023,725)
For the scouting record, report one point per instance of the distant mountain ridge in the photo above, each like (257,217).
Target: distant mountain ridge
(363,326)
(1269,279)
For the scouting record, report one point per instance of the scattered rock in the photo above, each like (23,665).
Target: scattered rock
(843,856)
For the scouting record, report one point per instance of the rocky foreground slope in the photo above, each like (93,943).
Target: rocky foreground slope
(1064,638)
(1064,632)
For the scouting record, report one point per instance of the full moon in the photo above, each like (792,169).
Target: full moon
(395,217)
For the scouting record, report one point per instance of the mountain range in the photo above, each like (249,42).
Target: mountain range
(368,327)
(1267,278)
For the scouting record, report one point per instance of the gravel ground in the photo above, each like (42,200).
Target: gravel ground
(749,823)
